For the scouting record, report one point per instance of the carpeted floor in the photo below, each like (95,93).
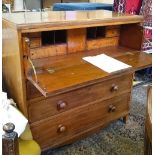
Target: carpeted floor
(117,138)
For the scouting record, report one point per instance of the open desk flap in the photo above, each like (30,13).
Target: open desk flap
(53,80)
(138,60)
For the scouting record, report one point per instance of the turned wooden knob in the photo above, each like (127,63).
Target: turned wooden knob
(112,108)
(61,105)
(8,128)
(61,128)
(114,88)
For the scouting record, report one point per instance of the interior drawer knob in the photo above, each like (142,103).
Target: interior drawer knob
(112,108)
(61,128)
(61,105)
(114,88)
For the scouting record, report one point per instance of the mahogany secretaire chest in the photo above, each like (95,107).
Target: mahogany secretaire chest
(63,96)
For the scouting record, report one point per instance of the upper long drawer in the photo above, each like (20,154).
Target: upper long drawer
(62,102)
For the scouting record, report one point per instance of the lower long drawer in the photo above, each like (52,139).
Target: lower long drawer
(60,128)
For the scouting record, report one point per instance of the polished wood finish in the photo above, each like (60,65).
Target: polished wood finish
(99,43)
(131,36)
(148,124)
(112,32)
(32,91)
(34,39)
(36,21)
(79,75)
(35,42)
(48,51)
(135,58)
(10,140)
(104,90)
(76,120)
(76,40)
(51,83)
(13,66)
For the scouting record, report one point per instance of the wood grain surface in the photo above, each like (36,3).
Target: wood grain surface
(75,121)
(55,20)
(64,97)
(48,107)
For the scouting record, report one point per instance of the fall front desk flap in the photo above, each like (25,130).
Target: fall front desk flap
(54,79)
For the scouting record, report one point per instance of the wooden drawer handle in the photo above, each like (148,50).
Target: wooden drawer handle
(114,88)
(112,108)
(61,105)
(61,128)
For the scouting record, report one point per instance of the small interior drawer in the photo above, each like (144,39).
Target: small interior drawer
(48,51)
(35,42)
(102,42)
(112,32)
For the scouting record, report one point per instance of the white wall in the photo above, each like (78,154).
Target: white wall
(103,1)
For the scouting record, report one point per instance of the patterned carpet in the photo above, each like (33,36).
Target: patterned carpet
(117,138)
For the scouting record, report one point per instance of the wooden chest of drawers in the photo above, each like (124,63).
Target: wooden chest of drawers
(64,97)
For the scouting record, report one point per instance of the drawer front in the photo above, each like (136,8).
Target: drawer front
(102,42)
(112,32)
(45,108)
(52,50)
(35,42)
(32,40)
(60,128)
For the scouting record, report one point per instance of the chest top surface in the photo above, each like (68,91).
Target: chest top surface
(75,19)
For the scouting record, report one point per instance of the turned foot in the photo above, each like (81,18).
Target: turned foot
(125,119)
